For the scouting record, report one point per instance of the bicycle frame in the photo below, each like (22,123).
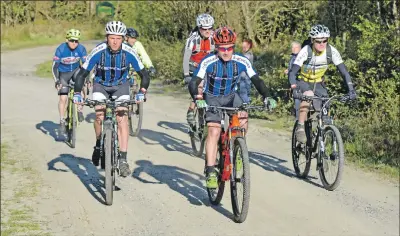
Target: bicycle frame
(70,104)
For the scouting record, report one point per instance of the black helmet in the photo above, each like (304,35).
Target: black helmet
(132,33)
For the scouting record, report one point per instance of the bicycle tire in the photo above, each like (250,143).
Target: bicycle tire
(109,168)
(340,159)
(295,155)
(133,111)
(74,125)
(215,196)
(200,139)
(240,215)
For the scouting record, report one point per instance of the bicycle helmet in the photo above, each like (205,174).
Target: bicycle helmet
(115,28)
(205,21)
(224,36)
(73,34)
(319,31)
(132,33)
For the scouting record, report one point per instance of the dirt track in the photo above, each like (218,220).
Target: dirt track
(165,194)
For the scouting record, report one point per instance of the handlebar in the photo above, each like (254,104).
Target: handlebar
(243,107)
(109,103)
(340,97)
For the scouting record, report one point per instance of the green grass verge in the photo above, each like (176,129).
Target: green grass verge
(44,69)
(17,216)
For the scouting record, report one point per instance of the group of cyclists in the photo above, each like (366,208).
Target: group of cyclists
(211,68)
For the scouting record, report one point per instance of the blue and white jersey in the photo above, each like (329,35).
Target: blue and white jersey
(69,59)
(221,77)
(112,68)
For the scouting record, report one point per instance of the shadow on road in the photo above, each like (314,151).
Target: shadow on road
(50,128)
(85,171)
(272,163)
(91,117)
(170,143)
(173,125)
(185,182)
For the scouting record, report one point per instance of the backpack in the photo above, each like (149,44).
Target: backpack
(328,54)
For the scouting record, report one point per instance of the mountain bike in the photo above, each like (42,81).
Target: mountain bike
(232,162)
(109,144)
(324,143)
(71,121)
(135,113)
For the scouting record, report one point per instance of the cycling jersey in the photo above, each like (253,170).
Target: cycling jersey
(221,78)
(112,68)
(69,59)
(317,66)
(196,49)
(138,47)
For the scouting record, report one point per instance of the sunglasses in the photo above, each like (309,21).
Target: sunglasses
(320,42)
(73,41)
(230,49)
(210,29)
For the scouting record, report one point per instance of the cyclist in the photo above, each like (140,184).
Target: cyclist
(296,47)
(245,83)
(198,45)
(221,72)
(66,62)
(131,39)
(112,59)
(312,62)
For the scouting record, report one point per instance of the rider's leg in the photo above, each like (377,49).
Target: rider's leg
(214,132)
(304,107)
(62,103)
(122,93)
(98,94)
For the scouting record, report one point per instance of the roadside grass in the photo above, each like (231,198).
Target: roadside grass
(17,217)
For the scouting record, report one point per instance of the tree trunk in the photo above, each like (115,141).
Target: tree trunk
(92,7)
(116,11)
(396,16)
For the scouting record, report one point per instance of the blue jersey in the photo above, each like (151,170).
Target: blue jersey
(220,77)
(112,68)
(69,59)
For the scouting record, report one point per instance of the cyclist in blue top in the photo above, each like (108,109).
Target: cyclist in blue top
(221,72)
(66,62)
(112,60)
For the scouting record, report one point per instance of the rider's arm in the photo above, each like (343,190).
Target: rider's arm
(91,60)
(145,80)
(193,86)
(143,55)
(56,73)
(297,64)
(186,56)
(338,61)
(251,73)
(137,65)
(83,53)
(346,76)
(56,63)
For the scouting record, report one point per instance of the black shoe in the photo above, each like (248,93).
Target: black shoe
(96,156)
(124,170)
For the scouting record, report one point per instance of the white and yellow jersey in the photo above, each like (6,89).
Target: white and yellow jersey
(317,66)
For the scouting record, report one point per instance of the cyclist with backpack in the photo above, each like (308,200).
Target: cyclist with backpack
(312,63)
(198,45)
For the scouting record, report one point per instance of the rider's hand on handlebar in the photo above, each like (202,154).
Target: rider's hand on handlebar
(200,103)
(58,85)
(269,103)
(187,79)
(78,98)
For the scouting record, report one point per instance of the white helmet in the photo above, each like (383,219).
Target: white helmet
(205,21)
(115,28)
(319,31)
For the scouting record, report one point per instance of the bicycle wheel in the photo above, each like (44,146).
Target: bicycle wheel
(197,137)
(215,195)
(109,168)
(135,116)
(301,156)
(332,158)
(240,188)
